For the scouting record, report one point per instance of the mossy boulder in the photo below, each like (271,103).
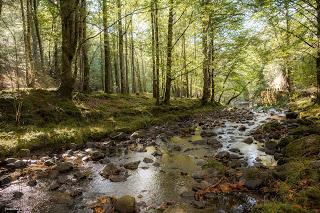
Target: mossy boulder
(306,147)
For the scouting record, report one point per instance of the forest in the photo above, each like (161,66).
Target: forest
(160,106)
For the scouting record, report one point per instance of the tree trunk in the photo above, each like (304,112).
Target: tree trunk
(107,54)
(157,51)
(69,12)
(84,48)
(139,77)
(121,62)
(133,67)
(169,54)
(205,69)
(126,58)
(38,34)
(116,65)
(154,80)
(318,52)
(287,73)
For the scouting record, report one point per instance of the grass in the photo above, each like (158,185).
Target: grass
(50,122)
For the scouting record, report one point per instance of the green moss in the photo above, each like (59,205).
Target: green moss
(306,147)
(214,164)
(48,121)
(309,197)
(275,207)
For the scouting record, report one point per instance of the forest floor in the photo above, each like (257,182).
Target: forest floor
(41,120)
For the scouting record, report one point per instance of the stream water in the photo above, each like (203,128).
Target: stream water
(152,184)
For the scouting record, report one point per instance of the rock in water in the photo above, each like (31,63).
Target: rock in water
(5,180)
(242,128)
(248,140)
(97,155)
(147,160)
(132,165)
(125,204)
(291,115)
(64,167)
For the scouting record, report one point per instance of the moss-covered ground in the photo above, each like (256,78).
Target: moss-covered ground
(298,177)
(41,120)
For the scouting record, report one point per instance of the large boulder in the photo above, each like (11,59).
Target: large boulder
(125,204)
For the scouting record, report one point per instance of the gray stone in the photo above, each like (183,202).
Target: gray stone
(117,178)
(97,155)
(223,155)
(49,162)
(64,167)
(242,128)
(253,184)
(248,140)
(147,160)
(132,165)
(5,180)
(32,183)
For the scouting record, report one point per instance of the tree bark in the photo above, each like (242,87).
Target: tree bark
(116,65)
(205,69)
(69,12)
(169,54)
(154,81)
(318,51)
(84,48)
(107,54)
(133,67)
(38,34)
(157,51)
(121,59)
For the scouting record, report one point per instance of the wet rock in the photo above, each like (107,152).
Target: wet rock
(97,155)
(254,184)
(235,156)
(271,145)
(242,128)
(236,150)
(64,167)
(62,179)
(214,143)
(117,178)
(19,164)
(105,160)
(49,162)
(223,155)
(157,153)
(5,180)
(132,165)
(291,115)
(198,204)
(201,162)
(208,133)
(111,169)
(32,183)
(156,164)
(235,164)
(9,160)
(147,160)
(125,204)
(175,148)
(17,195)
(248,140)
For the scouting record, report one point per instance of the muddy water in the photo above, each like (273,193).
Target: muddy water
(150,184)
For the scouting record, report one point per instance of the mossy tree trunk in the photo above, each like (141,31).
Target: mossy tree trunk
(107,54)
(69,12)
(169,55)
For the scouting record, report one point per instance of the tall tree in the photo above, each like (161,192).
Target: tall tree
(169,55)
(133,67)
(157,51)
(70,13)
(84,47)
(121,57)
(107,54)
